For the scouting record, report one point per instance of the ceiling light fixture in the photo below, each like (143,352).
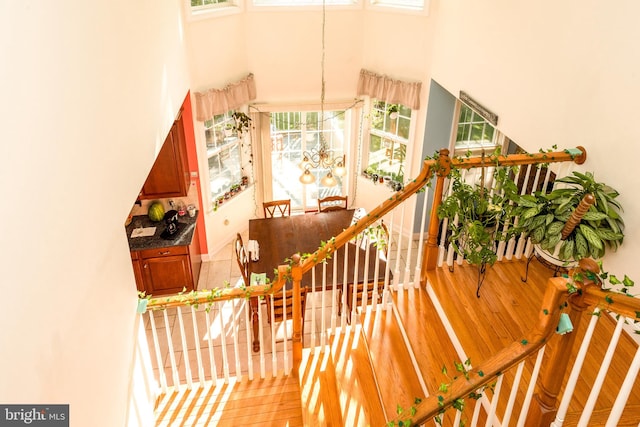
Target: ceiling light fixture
(320,158)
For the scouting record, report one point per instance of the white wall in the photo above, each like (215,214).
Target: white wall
(562,73)
(89,91)
(283,48)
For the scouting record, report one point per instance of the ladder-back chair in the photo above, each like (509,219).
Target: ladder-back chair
(277,208)
(332,203)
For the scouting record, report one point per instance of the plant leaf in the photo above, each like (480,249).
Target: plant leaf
(591,236)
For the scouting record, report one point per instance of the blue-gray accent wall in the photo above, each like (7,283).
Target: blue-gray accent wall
(440,109)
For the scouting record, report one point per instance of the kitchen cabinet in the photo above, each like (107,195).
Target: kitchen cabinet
(137,270)
(161,269)
(169,176)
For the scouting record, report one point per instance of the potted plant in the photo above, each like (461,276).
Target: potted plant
(543,218)
(474,217)
(392,111)
(228,129)
(243,122)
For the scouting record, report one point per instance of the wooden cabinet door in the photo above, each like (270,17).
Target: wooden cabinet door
(167,274)
(169,176)
(137,271)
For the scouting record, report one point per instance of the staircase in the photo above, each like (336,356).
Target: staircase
(367,373)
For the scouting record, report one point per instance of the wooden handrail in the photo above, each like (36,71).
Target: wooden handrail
(441,167)
(486,373)
(543,408)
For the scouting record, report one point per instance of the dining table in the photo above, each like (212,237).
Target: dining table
(279,238)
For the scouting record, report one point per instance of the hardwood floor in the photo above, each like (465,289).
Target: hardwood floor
(338,386)
(268,402)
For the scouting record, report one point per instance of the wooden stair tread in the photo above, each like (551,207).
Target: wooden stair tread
(397,380)
(429,340)
(599,417)
(319,389)
(355,385)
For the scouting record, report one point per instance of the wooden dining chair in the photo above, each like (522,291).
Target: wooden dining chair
(285,329)
(277,208)
(332,203)
(379,238)
(242,257)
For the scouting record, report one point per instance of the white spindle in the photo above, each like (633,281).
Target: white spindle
(456,421)
(353,295)
(476,412)
(247,321)
(312,294)
(323,329)
(261,338)
(532,385)
(379,252)
(196,339)
(223,342)
(185,349)
(334,287)
(212,359)
(396,272)
(345,295)
(234,335)
(625,391)
(602,373)
(575,371)
(365,277)
(407,269)
(512,396)
(418,271)
(494,402)
(521,239)
(274,359)
(156,346)
(285,350)
(172,355)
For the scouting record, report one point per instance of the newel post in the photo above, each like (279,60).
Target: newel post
(442,169)
(544,405)
(296,276)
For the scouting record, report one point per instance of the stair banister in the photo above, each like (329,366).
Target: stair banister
(445,163)
(487,372)
(544,405)
(296,276)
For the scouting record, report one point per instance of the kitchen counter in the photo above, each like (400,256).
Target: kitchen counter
(184,236)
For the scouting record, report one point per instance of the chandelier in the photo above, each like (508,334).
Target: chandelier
(320,157)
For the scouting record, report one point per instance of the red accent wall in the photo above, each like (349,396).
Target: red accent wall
(192,160)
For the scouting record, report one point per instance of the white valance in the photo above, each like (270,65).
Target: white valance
(219,101)
(385,88)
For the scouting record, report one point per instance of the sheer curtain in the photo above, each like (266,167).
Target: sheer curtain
(385,88)
(219,101)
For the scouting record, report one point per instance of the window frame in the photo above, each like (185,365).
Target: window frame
(398,6)
(473,150)
(309,134)
(233,143)
(394,137)
(196,13)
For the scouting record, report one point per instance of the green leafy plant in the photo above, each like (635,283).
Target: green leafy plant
(243,122)
(543,216)
(476,216)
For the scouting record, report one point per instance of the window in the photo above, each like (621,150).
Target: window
(224,154)
(301,2)
(293,134)
(388,138)
(474,133)
(409,4)
(197,9)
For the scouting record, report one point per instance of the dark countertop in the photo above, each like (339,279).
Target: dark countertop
(184,236)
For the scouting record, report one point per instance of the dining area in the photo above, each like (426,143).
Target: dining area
(353,276)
